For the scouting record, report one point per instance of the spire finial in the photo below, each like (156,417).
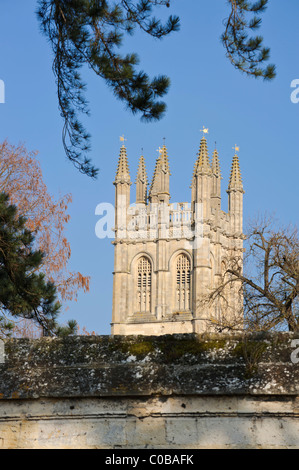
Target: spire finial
(236,149)
(122,139)
(204,131)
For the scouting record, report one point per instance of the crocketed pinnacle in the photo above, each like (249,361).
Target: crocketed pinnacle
(141,182)
(202,165)
(235,180)
(141,172)
(122,172)
(162,166)
(215,164)
(164,160)
(153,188)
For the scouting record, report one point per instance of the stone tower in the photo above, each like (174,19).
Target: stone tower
(170,256)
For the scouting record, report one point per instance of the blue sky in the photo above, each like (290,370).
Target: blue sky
(205,91)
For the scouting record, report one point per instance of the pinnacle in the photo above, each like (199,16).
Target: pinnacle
(141,172)
(141,182)
(156,171)
(235,180)
(164,159)
(122,172)
(202,164)
(215,164)
(162,165)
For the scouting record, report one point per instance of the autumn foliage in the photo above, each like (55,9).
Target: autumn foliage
(21,178)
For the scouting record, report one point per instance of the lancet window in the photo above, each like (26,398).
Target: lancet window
(144,284)
(183,283)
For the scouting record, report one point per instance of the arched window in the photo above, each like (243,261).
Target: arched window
(183,282)
(144,284)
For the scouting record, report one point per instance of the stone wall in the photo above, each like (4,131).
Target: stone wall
(180,391)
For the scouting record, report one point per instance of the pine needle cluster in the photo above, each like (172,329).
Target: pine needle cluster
(247,53)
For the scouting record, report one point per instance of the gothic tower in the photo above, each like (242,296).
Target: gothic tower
(169,257)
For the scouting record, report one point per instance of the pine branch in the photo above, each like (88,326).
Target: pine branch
(91,32)
(247,53)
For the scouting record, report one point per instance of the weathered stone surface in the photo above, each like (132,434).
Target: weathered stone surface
(178,249)
(181,391)
(98,366)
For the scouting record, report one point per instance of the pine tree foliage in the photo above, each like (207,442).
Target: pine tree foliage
(91,32)
(23,292)
(245,52)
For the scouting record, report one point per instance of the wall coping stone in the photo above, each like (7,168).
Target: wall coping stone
(115,366)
